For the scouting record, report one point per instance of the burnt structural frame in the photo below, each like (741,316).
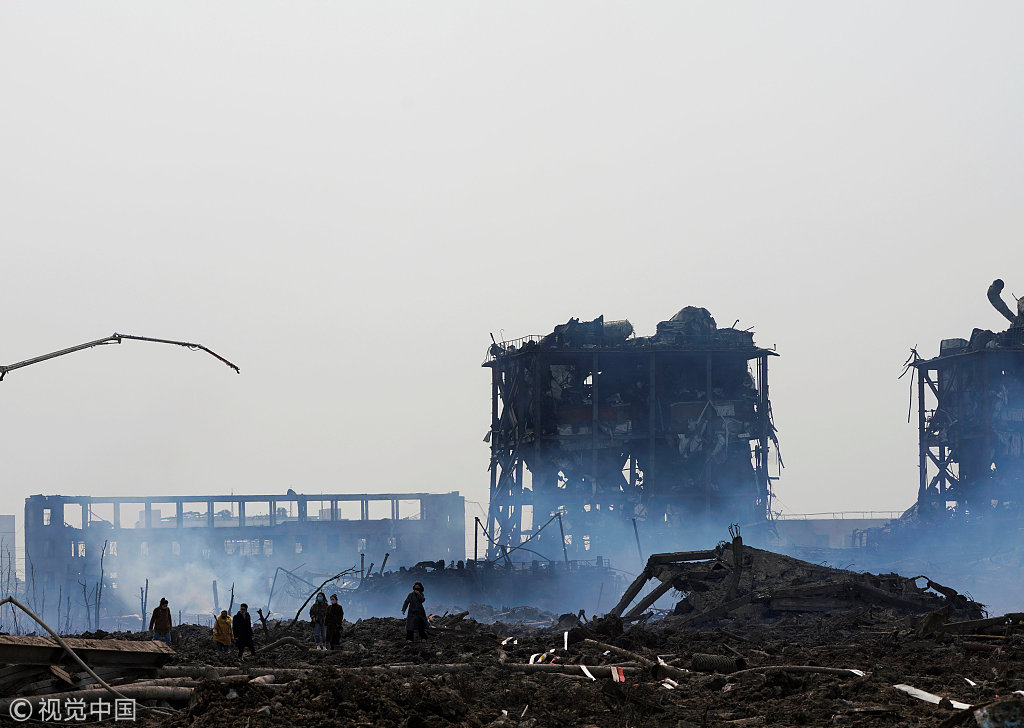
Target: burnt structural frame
(514,439)
(964,430)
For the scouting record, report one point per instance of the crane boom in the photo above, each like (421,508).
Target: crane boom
(114,338)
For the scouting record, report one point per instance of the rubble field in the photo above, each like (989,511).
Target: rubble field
(801,645)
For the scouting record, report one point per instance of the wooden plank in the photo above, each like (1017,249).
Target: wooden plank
(38,687)
(63,674)
(46,651)
(110,675)
(77,643)
(20,675)
(14,670)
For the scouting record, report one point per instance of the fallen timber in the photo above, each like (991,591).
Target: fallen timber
(71,654)
(40,666)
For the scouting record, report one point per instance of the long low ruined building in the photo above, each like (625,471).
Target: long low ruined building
(70,539)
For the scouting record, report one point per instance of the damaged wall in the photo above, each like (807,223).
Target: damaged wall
(605,428)
(181,544)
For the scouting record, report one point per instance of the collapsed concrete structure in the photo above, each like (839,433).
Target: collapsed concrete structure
(607,429)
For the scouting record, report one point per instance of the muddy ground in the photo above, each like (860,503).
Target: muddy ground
(731,660)
(879,642)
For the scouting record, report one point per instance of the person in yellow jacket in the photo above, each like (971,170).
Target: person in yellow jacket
(222,632)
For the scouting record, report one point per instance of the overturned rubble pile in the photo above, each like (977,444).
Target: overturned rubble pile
(735,582)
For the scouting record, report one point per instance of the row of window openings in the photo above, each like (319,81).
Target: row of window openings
(242,547)
(347,511)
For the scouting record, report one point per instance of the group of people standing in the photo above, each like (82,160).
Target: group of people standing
(239,629)
(225,629)
(327,621)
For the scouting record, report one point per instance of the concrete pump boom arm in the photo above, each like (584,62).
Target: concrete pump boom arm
(995,297)
(114,338)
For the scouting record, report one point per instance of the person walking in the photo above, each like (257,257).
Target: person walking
(160,622)
(242,629)
(416,619)
(318,615)
(333,621)
(222,632)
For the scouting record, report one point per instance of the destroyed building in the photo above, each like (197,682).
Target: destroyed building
(967,523)
(605,430)
(182,543)
(970,402)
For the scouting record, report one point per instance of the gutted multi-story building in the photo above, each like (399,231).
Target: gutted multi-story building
(604,430)
(971,422)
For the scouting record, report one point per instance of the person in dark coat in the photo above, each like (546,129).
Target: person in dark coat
(241,625)
(416,618)
(160,622)
(318,615)
(333,620)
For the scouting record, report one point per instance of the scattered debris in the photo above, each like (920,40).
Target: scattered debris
(749,665)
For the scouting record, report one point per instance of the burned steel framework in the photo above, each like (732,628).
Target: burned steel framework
(599,428)
(971,426)
(970,422)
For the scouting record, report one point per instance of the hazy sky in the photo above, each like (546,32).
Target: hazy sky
(346,198)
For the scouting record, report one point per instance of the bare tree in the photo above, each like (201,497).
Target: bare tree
(9,585)
(67,616)
(314,592)
(34,601)
(143,598)
(87,602)
(99,585)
